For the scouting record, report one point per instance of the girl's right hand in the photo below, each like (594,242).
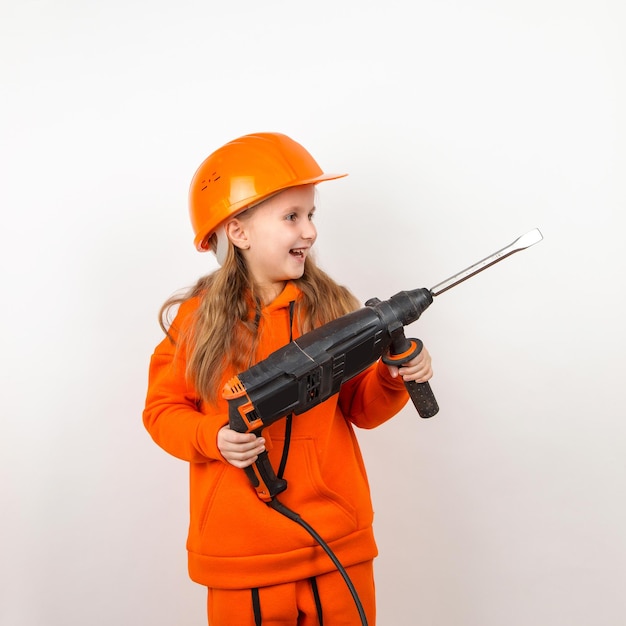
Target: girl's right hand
(239,449)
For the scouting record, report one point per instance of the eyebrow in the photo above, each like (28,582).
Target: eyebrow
(297,207)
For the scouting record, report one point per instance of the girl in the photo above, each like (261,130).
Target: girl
(252,204)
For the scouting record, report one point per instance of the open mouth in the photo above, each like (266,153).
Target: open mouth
(297,252)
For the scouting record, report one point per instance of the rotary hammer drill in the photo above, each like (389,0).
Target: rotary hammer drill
(312,368)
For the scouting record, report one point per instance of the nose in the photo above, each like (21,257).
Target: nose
(309,231)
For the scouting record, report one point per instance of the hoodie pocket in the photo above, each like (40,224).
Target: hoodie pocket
(208,492)
(232,522)
(311,495)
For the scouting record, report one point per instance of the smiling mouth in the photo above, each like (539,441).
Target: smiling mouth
(297,252)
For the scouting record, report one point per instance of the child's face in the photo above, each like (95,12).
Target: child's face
(279,234)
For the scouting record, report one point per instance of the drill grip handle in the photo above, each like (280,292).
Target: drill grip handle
(263,478)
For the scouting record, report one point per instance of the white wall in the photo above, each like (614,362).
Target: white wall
(463,125)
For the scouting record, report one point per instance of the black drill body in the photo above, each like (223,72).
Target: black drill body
(309,370)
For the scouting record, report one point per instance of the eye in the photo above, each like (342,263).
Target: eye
(292,217)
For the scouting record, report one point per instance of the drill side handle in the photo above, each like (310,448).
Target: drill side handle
(423,398)
(401,351)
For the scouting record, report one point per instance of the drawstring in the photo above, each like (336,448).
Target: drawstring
(256,603)
(256,606)
(292,305)
(257,319)
(318,602)
(285,454)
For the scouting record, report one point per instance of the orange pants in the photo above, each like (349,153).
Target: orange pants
(294,604)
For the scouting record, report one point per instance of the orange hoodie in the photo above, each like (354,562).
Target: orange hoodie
(236,541)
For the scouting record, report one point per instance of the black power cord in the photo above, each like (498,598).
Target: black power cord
(292,515)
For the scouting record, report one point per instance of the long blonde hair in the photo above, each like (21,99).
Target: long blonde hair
(223,333)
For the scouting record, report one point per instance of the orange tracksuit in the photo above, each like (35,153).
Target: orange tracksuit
(236,541)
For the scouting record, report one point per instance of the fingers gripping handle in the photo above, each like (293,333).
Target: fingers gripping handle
(401,351)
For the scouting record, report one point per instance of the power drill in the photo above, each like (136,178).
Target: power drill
(312,368)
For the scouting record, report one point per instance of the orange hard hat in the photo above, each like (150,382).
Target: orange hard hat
(242,173)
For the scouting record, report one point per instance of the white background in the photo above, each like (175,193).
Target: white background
(462,125)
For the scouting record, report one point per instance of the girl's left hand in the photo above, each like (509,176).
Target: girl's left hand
(418,369)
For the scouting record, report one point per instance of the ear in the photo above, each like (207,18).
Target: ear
(237,233)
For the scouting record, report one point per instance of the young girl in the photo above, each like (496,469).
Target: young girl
(252,203)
